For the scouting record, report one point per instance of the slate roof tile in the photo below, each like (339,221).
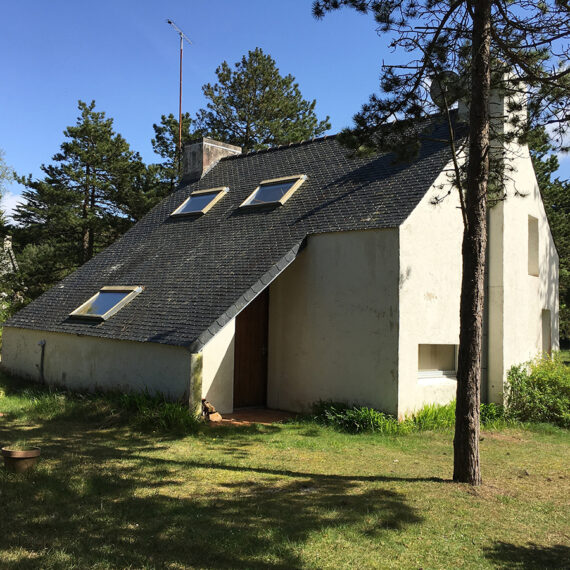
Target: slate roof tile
(198,273)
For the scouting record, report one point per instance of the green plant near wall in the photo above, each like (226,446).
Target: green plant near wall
(539,391)
(361,419)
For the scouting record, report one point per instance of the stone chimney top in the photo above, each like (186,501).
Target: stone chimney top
(202,155)
(508,106)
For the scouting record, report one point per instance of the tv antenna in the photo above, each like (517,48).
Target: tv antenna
(183,37)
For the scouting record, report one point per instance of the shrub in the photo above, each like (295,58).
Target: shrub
(47,406)
(434,416)
(491,413)
(539,391)
(141,410)
(37,402)
(156,413)
(356,419)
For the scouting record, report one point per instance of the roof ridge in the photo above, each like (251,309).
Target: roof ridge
(430,117)
(279,147)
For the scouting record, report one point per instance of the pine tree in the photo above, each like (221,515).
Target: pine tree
(510,43)
(165,144)
(254,106)
(88,197)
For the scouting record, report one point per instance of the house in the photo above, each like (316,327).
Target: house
(281,277)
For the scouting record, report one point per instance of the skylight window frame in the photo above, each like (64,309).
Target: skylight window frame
(299,179)
(220,192)
(133,291)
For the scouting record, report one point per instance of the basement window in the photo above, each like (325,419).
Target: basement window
(437,360)
(200,201)
(274,191)
(106,302)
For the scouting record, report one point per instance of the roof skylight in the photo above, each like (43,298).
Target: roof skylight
(275,191)
(200,201)
(106,302)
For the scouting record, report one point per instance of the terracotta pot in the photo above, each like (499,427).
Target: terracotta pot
(20,460)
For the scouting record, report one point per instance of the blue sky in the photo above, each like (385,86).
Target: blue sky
(124,55)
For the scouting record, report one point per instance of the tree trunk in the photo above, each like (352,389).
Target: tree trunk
(466,466)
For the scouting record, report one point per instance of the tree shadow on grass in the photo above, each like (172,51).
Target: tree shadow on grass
(190,463)
(106,499)
(115,519)
(107,496)
(529,557)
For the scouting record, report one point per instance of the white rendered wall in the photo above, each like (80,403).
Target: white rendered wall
(517,299)
(218,369)
(89,363)
(333,323)
(430,289)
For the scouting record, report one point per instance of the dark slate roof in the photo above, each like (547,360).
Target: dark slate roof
(198,273)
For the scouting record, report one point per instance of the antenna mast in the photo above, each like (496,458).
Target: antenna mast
(183,37)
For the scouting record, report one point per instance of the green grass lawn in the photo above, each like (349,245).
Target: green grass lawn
(285,496)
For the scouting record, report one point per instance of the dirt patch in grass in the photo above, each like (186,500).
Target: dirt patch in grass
(488,491)
(502,436)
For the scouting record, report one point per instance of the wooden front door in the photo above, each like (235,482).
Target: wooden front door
(250,357)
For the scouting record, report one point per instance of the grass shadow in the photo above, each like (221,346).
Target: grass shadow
(302,474)
(107,496)
(238,431)
(529,557)
(114,504)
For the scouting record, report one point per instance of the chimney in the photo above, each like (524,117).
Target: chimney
(200,156)
(507,108)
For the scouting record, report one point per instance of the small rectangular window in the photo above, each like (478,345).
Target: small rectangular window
(532,246)
(200,201)
(274,191)
(437,359)
(106,302)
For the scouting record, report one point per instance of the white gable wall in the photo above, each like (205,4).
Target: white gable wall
(430,288)
(430,285)
(333,323)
